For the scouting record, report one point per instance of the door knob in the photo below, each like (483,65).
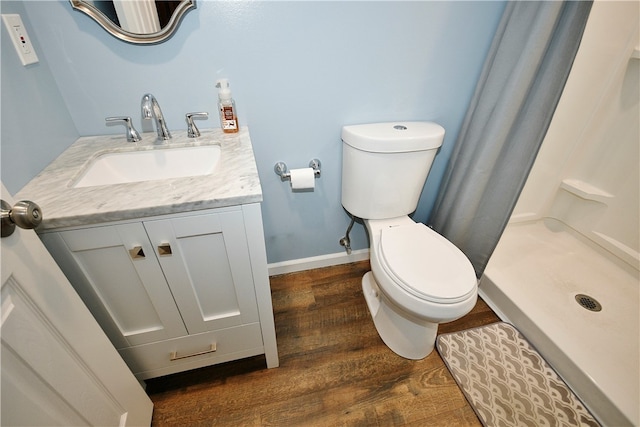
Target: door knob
(24,214)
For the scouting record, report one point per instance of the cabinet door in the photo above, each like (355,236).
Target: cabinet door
(123,284)
(206,262)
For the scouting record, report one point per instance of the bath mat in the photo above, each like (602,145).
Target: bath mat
(507,382)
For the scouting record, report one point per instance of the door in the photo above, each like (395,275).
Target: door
(57,366)
(206,261)
(122,283)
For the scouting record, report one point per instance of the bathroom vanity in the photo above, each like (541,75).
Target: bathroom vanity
(174,270)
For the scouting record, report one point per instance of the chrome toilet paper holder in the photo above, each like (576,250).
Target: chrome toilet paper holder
(281,169)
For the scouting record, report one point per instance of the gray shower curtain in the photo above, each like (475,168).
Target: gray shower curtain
(520,85)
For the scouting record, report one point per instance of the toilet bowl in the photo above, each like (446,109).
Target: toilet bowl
(418,280)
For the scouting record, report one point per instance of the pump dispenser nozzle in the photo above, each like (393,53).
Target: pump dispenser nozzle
(224,92)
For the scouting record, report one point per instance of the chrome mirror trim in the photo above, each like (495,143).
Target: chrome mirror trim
(130,37)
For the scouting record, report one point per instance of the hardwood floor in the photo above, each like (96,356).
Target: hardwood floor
(334,369)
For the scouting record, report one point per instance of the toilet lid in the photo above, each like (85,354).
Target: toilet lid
(426,264)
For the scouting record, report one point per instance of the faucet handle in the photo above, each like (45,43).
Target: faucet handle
(132,133)
(192,129)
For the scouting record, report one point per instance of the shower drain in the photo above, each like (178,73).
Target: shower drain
(588,302)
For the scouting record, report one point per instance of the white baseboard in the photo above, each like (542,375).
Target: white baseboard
(310,263)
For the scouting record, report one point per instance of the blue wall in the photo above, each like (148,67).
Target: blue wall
(35,124)
(299,71)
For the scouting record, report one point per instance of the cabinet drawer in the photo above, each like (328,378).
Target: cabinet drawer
(193,351)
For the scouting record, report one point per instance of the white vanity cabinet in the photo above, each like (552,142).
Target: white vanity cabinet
(175,292)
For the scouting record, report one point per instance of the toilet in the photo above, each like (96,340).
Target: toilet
(418,278)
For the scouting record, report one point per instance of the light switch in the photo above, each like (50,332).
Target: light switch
(21,40)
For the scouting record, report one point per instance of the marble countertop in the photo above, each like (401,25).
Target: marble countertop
(235,181)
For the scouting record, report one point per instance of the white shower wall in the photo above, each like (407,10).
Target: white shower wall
(575,229)
(587,172)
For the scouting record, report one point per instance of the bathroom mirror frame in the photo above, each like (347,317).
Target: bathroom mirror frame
(152,38)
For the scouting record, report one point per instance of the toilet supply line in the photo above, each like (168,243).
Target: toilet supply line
(346,241)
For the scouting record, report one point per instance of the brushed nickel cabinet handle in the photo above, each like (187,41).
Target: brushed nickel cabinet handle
(164,249)
(136,252)
(174,354)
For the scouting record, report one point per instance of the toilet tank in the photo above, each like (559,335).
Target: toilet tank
(385,166)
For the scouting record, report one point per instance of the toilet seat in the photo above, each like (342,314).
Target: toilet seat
(425,264)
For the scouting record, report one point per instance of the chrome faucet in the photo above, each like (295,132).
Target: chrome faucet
(151,109)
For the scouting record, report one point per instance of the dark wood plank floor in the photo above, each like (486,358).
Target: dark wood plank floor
(334,369)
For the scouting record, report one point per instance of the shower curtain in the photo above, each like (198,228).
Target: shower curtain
(519,87)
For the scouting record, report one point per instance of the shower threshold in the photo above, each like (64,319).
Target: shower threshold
(532,281)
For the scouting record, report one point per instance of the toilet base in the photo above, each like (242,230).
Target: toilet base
(405,334)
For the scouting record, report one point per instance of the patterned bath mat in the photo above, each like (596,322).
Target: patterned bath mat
(507,382)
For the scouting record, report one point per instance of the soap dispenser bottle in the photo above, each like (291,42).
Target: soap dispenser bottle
(227,107)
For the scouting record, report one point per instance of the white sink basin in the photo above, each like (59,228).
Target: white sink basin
(149,165)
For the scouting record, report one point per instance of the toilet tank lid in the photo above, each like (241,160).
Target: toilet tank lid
(394,137)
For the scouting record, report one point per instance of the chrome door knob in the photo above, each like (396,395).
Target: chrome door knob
(25,214)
